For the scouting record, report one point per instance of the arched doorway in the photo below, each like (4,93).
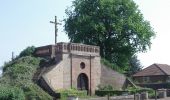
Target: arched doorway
(82,82)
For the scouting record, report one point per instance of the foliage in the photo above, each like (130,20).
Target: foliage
(105,87)
(151,93)
(104,90)
(117,26)
(24,66)
(111,65)
(71,92)
(19,73)
(34,92)
(134,66)
(109,92)
(11,93)
(27,52)
(129,90)
(133,90)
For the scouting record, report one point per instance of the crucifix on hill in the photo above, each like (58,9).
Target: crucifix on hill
(56,29)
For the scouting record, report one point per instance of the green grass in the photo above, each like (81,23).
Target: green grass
(19,73)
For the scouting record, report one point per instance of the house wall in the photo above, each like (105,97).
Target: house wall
(150,79)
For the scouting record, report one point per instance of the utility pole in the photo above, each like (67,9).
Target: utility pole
(56,29)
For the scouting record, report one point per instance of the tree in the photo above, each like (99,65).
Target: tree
(27,52)
(134,65)
(117,26)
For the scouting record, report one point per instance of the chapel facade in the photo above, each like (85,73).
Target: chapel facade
(74,66)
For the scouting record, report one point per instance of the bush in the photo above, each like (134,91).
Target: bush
(133,90)
(104,90)
(71,92)
(27,52)
(11,93)
(109,92)
(105,87)
(34,92)
(151,93)
(19,73)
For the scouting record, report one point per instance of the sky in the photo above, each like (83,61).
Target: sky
(25,23)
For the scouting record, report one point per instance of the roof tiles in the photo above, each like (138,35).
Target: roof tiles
(153,70)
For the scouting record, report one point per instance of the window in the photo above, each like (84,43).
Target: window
(82,65)
(146,79)
(168,79)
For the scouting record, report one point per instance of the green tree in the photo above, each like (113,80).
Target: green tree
(117,26)
(134,65)
(27,52)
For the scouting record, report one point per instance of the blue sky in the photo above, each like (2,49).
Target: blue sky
(26,22)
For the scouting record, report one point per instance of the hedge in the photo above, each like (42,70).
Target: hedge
(133,90)
(11,93)
(109,92)
(71,92)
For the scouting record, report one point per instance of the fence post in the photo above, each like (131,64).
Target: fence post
(155,94)
(108,97)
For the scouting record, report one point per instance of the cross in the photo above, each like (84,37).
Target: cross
(56,29)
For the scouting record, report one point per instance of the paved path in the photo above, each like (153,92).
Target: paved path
(168,98)
(104,98)
(129,97)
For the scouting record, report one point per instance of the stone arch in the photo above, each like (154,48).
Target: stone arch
(82,82)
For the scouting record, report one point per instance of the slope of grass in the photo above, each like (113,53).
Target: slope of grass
(19,74)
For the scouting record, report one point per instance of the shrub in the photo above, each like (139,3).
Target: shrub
(133,90)
(109,92)
(11,93)
(19,73)
(27,52)
(105,87)
(34,92)
(71,92)
(104,90)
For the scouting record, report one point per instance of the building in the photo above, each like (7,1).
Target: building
(155,76)
(74,65)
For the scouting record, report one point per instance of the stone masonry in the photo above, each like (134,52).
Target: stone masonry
(69,56)
(76,66)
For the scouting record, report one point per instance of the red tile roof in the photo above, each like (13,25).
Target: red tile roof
(153,70)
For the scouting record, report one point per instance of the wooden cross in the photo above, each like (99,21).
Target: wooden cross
(56,29)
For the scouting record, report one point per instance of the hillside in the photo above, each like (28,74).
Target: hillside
(16,81)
